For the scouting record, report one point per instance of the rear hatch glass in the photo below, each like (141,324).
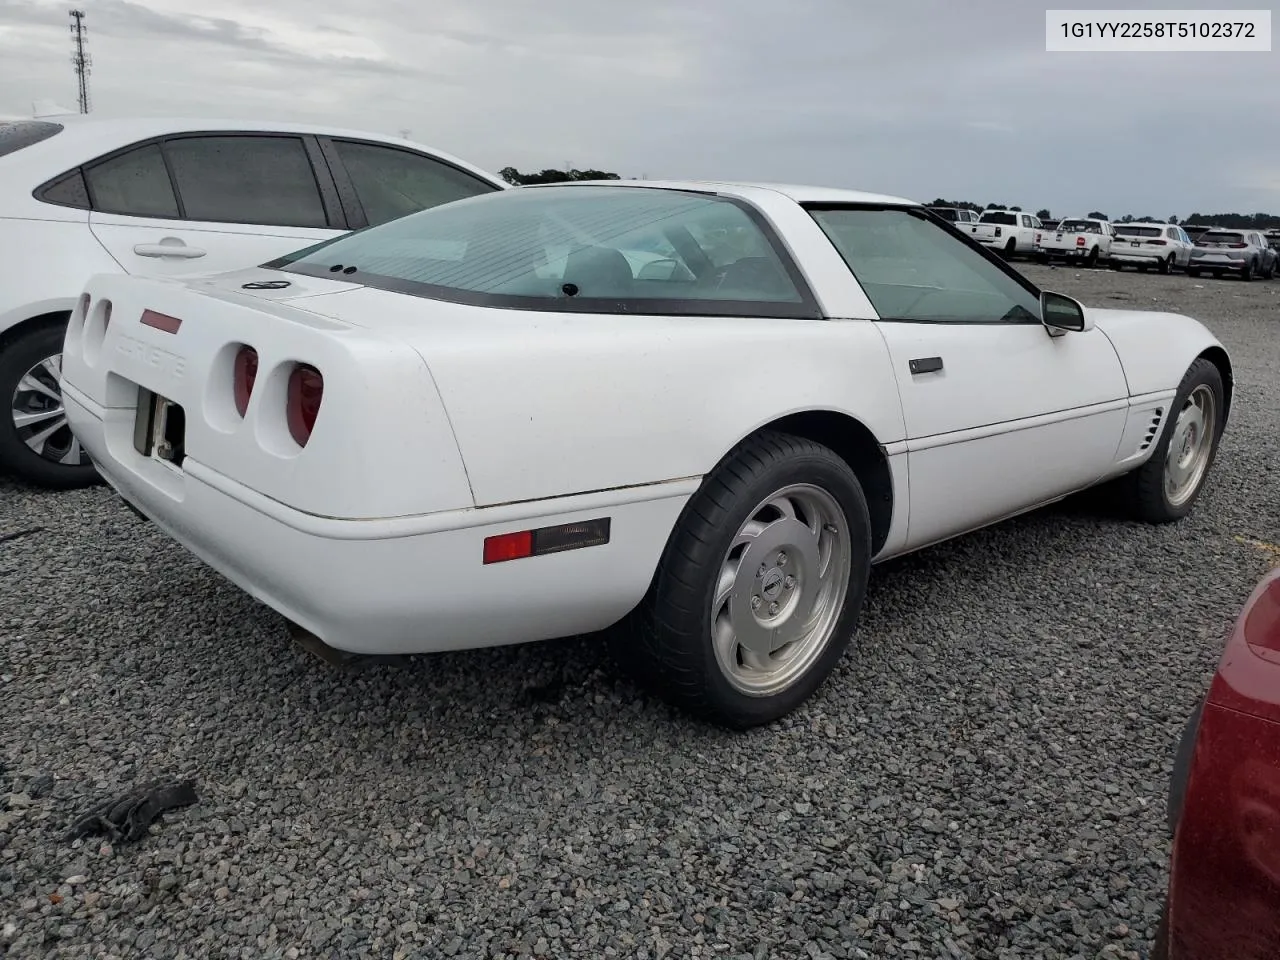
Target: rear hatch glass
(1139,231)
(16,134)
(1221,236)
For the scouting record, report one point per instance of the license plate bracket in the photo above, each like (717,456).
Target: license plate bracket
(159,429)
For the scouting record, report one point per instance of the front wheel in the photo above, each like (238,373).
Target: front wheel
(758,592)
(1167,486)
(36,443)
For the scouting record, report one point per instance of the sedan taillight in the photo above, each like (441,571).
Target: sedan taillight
(246,371)
(306,389)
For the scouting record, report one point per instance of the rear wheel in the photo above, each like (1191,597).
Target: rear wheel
(1091,260)
(1166,265)
(36,444)
(1166,487)
(759,589)
(1011,247)
(1247,273)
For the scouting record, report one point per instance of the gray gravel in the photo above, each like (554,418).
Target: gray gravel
(984,778)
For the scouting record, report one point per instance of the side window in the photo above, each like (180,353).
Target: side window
(259,180)
(134,184)
(912,271)
(1026,221)
(393,183)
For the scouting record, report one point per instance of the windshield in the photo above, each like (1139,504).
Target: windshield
(1008,219)
(911,268)
(576,248)
(1221,236)
(1079,226)
(16,134)
(1130,231)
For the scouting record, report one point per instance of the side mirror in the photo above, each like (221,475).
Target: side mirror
(1060,312)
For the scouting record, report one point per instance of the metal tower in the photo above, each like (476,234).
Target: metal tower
(82,60)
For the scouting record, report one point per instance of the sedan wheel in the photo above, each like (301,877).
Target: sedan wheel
(758,591)
(36,443)
(1166,487)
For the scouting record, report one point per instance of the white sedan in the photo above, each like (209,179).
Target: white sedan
(694,412)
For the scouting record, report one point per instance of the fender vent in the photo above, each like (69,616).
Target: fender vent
(1153,430)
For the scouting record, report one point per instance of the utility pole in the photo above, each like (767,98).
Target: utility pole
(81,59)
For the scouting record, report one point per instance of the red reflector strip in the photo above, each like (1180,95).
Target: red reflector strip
(160,321)
(544,540)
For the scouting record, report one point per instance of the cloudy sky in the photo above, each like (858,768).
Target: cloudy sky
(922,98)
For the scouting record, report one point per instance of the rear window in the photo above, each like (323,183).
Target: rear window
(947,213)
(1079,226)
(586,249)
(1130,231)
(1008,219)
(1221,236)
(16,134)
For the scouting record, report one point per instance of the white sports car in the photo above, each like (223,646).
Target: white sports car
(696,412)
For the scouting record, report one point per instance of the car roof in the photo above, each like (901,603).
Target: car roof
(746,189)
(86,136)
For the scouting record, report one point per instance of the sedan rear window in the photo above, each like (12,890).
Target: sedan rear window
(1128,231)
(596,249)
(1221,236)
(16,134)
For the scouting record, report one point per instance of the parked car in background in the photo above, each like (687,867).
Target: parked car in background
(958,215)
(1223,900)
(1194,230)
(1241,252)
(161,197)
(1146,245)
(493,394)
(1009,231)
(1083,239)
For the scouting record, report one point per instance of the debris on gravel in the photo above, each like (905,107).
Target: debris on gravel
(983,777)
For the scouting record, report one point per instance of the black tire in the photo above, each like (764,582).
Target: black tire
(18,355)
(1247,273)
(1166,265)
(1011,247)
(1142,491)
(1091,259)
(666,641)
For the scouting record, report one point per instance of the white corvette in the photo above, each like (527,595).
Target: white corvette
(696,412)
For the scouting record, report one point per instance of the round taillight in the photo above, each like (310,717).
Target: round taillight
(246,371)
(306,389)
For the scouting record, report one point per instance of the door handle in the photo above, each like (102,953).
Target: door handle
(926,365)
(178,250)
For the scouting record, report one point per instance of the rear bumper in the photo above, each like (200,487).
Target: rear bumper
(400,585)
(1216,263)
(1068,253)
(1139,256)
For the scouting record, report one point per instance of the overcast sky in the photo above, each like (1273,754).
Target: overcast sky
(921,98)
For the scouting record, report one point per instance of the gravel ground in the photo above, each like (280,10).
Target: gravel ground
(984,777)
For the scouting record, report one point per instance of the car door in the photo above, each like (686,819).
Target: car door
(1000,415)
(209,202)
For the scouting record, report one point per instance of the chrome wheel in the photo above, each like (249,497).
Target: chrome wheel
(40,418)
(1190,446)
(781,588)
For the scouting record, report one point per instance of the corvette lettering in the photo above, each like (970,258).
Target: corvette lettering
(169,364)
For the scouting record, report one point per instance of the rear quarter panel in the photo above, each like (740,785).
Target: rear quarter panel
(547,404)
(44,264)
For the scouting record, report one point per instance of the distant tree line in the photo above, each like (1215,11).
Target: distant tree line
(1237,221)
(516,178)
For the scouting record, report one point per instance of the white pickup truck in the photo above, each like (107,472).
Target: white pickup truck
(1009,231)
(1081,238)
